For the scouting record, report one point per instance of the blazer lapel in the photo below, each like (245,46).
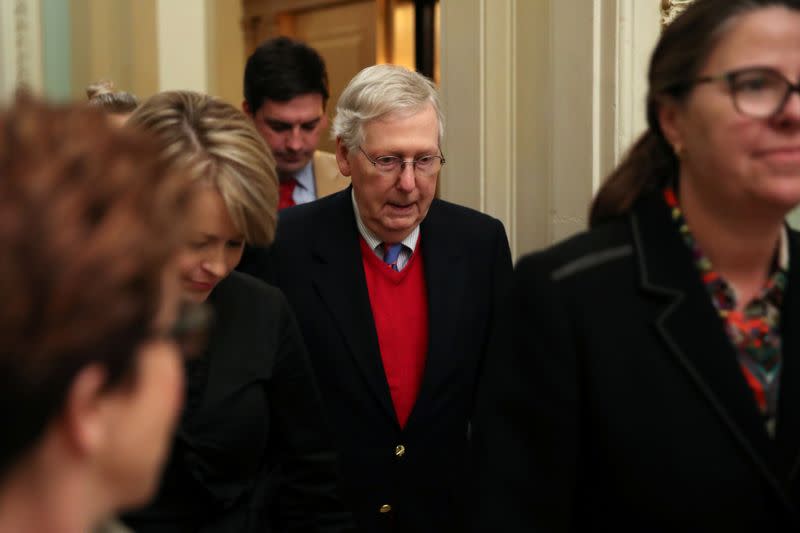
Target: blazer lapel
(788,428)
(338,277)
(445,277)
(681,302)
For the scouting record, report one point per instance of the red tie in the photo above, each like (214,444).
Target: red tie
(286,190)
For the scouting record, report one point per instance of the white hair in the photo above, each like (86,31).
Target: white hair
(378,91)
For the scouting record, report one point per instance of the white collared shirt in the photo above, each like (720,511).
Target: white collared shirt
(306,190)
(409,243)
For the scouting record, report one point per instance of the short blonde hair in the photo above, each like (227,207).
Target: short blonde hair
(216,143)
(378,91)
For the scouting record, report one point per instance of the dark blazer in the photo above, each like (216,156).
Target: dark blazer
(614,400)
(252,451)
(418,471)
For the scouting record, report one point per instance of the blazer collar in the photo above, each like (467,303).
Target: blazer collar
(338,276)
(681,302)
(446,280)
(788,426)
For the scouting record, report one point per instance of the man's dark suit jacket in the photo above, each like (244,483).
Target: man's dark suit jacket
(252,452)
(619,404)
(418,471)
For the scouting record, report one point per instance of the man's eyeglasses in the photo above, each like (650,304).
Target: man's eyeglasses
(425,166)
(190,330)
(757,92)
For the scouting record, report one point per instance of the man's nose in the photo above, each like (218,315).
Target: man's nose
(295,140)
(407,180)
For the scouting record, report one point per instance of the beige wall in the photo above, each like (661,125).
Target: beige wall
(226,47)
(149,45)
(116,40)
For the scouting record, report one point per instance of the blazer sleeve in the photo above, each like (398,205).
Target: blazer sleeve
(525,430)
(308,498)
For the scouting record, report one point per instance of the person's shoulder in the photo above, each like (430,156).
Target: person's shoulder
(586,252)
(239,289)
(300,218)
(458,219)
(321,156)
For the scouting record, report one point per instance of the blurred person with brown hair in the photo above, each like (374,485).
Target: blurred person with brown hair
(90,374)
(252,452)
(647,371)
(118,105)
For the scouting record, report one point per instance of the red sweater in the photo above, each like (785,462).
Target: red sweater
(399,302)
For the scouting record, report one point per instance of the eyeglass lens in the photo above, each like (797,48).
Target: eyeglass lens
(759,93)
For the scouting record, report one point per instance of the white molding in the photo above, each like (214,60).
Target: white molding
(20,46)
(541,100)
(637,32)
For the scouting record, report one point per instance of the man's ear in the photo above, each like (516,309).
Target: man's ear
(341,157)
(246,109)
(84,415)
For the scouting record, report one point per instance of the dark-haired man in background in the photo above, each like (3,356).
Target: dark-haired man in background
(285,93)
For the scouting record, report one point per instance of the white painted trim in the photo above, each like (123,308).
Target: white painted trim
(20,46)
(639,25)
(541,98)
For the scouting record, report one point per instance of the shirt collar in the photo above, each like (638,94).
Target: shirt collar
(305,177)
(371,239)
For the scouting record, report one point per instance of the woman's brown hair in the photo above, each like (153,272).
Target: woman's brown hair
(89,218)
(680,54)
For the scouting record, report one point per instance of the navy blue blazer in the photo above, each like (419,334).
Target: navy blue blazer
(410,479)
(252,451)
(614,400)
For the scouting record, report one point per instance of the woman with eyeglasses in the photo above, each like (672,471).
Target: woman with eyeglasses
(90,373)
(647,377)
(252,452)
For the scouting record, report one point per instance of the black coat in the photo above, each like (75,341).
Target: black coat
(614,400)
(317,262)
(252,451)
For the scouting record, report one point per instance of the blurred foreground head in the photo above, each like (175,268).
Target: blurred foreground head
(90,380)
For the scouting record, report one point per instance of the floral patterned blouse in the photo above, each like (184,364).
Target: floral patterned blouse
(754,330)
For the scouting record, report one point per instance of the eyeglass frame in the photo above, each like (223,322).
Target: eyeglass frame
(403,162)
(729,78)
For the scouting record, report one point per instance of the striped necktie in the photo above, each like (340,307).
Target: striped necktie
(391,252)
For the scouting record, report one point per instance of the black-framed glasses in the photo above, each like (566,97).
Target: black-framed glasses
(426,165)
(190,329)
(757,92)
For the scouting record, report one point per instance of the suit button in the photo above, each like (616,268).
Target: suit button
(386,508)
(400,450)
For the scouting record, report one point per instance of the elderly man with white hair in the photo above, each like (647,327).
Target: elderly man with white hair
(395,292)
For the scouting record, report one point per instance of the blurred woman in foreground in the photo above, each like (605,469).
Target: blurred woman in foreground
(252,452)
(90,374)
(653,377)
